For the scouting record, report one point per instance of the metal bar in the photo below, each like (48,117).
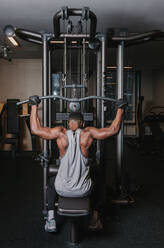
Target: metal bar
(98,93)
(44,116)
(45,84)
(61,91)
(74,86)
(120,66)
(81,68)
(102,79)
(28,34)
(49,92)
(83,71)
(71,99)
(74,36)
(138,36)
(98,90)
(65,69)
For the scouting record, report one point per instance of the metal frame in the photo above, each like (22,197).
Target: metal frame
(44,39)
(120,74)
(103,64)
(75,12)
(45,111)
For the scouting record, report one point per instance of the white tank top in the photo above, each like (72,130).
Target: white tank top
(73,179)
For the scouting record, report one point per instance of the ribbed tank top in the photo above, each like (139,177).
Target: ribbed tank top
(73,179)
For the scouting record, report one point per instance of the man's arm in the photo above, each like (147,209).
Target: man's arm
(43,132)
(103,133)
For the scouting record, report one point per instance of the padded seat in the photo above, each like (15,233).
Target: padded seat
(71,206)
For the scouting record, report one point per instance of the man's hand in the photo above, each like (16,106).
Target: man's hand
(34,100)
(121,103)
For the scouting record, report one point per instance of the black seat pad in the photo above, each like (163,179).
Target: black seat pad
(71,206)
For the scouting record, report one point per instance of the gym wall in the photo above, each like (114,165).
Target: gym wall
(158,87)
(20,79)
(147,89)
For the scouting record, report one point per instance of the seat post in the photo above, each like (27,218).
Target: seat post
(74,230)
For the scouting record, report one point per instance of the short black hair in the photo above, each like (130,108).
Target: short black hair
(76,116)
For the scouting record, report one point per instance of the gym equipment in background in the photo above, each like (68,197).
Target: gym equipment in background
(12,126)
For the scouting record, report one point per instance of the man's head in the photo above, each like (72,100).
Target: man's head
(75,121)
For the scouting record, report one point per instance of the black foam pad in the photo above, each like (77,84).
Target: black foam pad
(12,116)
(71,206)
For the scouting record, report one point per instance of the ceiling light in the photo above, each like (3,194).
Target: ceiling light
(9,31)
(13,41)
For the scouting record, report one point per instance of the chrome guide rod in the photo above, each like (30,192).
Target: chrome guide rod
(65,70)
(49,92)
(83,71)
(44,115)
(102,80)
(98,93)
(119,159)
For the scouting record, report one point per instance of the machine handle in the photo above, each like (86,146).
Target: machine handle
(71,99)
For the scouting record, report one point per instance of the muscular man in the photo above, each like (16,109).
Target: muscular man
(73,178)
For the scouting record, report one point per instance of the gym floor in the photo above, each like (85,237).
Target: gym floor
(22,223)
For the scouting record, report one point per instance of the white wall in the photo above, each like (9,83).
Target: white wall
(20,79)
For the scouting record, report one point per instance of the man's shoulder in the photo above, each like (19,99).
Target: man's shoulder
(86,130)
(61,129)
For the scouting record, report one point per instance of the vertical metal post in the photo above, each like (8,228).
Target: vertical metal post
(44,113)
(102,78)
(65,71)
(120,73)
(50,93)
(98,93)
(83,71)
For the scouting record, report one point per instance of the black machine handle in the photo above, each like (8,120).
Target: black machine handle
(75,12)
(71,99)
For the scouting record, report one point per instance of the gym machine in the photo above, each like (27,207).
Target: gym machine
(74,94)
(152,136)
(12,125)
(68,37)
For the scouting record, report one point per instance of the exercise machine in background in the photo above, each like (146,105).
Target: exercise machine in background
(12,121)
